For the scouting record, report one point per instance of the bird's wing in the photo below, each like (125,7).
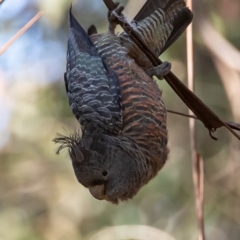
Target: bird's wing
(93,89)
(161,22)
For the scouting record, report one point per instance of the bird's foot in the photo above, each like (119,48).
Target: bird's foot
(114,16)
(159,71)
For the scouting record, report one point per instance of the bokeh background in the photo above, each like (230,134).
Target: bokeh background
(40,197)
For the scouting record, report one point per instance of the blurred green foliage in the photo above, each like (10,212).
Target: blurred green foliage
(40,197)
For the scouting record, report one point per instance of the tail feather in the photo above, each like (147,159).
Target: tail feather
(180,19)
(151,5)
(176,13)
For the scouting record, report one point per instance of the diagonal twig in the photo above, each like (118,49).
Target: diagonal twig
(206,115)
(233,125)
(20,32)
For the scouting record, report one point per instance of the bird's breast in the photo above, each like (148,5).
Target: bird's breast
(144,113)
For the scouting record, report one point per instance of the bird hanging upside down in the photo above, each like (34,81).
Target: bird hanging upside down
(123,139)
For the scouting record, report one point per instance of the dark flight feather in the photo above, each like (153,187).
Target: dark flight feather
(86,68)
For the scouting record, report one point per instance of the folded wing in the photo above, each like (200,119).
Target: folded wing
(93,89)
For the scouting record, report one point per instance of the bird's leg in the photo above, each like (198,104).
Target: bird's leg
(113,17)
(159,71)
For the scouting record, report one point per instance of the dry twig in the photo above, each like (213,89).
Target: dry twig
(197,162)
(20,32)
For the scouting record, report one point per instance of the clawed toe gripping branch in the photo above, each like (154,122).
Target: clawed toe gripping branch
(159,71)
(113,16)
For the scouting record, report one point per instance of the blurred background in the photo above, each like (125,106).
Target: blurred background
(40,197)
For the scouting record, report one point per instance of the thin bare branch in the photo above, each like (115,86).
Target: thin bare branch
(233,125)
(196,160)
(198,180)
(182,114)
(20,32)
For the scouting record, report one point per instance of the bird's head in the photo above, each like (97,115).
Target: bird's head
(110,167)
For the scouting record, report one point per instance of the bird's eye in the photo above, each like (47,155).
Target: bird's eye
(105,173)
(101,140)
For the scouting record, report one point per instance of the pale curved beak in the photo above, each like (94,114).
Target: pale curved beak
(98,192)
